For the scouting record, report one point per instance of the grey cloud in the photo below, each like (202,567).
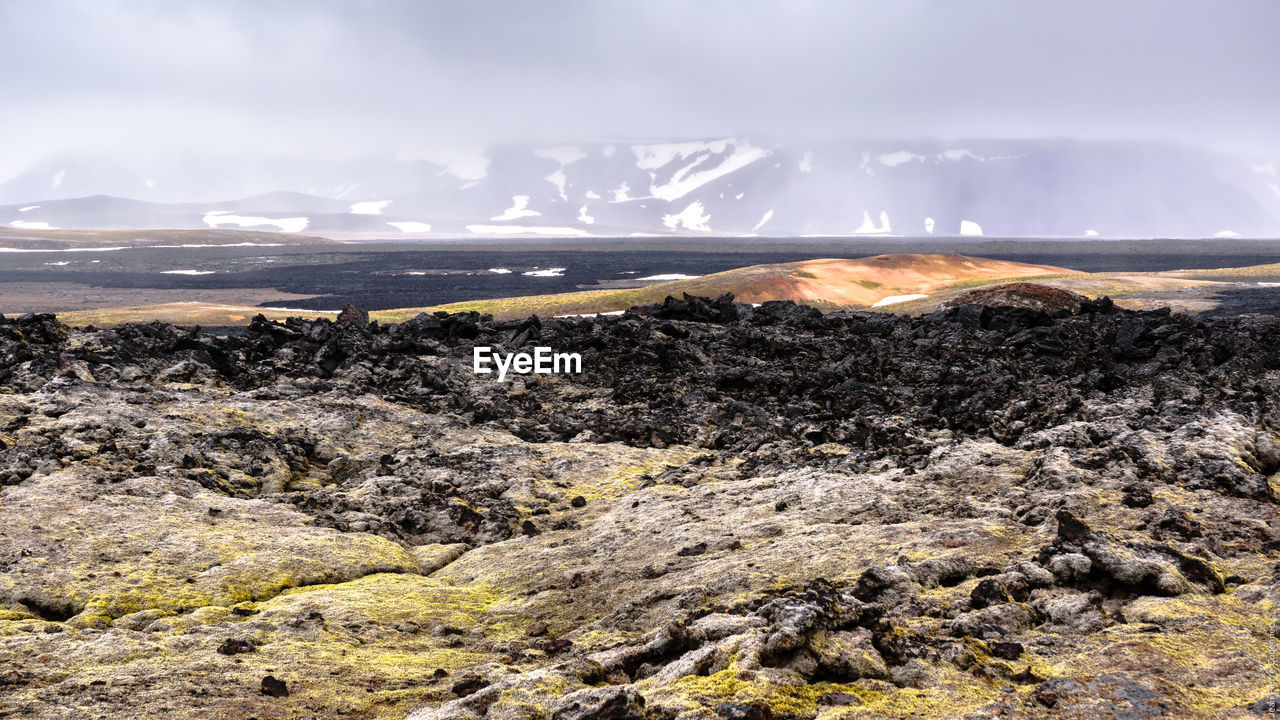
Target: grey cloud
(345,77)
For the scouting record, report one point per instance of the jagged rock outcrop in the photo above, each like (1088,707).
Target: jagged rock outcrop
(733,512)
(1030,296)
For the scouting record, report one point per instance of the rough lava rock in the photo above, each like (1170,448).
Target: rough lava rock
(1025,295)
(1001,509)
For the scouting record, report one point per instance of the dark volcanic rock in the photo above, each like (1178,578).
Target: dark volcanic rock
(273,687)
(744,711)
(235,646)
(779,501)
(1020,295)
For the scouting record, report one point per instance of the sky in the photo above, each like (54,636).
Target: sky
(418,77)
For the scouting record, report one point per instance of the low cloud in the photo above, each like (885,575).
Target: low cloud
(412,77)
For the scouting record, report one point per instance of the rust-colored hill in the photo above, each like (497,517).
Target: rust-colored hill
(908,283)
(898,281)
(827,284)
(870,280)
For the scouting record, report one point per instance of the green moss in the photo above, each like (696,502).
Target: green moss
(94,615)
(1218,640)
(364,648)
(729,686)
(1221,610)
(980,282)
(531,700)
(15,613)
(613,470)
(176,565)
(387,599)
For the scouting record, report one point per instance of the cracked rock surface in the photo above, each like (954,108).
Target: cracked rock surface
(734,512)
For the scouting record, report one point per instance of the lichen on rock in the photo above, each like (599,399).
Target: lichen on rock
(735,512)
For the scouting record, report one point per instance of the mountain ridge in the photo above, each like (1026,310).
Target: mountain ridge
(730,186)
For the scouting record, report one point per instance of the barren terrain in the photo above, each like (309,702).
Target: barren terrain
(901,283)
(734,512)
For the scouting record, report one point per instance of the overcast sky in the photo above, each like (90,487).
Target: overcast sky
(355,75)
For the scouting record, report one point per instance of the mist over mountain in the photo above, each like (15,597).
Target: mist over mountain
(731,186)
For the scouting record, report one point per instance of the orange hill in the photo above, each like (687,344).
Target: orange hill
(866,281)
(828,284)
(897,282)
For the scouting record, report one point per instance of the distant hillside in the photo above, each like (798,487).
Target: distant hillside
(910,284)
(19,239)
(827,284)
(731,186)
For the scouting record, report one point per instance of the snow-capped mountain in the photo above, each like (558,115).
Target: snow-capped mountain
(727,186)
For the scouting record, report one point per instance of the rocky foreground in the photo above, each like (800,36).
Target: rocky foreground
(734,512)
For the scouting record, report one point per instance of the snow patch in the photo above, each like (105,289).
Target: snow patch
(928,225)
(895,299)
(519,208)
(768,214)
(667,277)
(464,163)
(969,227)
(564,154)
(1226,234)
(584,315)
(958,154)
(1091,233)
(894,159)
(214,218)
(59,264)
(806,162)
(58,178)
(584,217)
(27,225)
(620,195)
(186,272)
(652,157)
(500,271)
(688,178)
(593,195)
(369,207)
(302,310)
(28,208)
(549,272)
(870,228)
(411,226)
(692,217)
(558,179)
